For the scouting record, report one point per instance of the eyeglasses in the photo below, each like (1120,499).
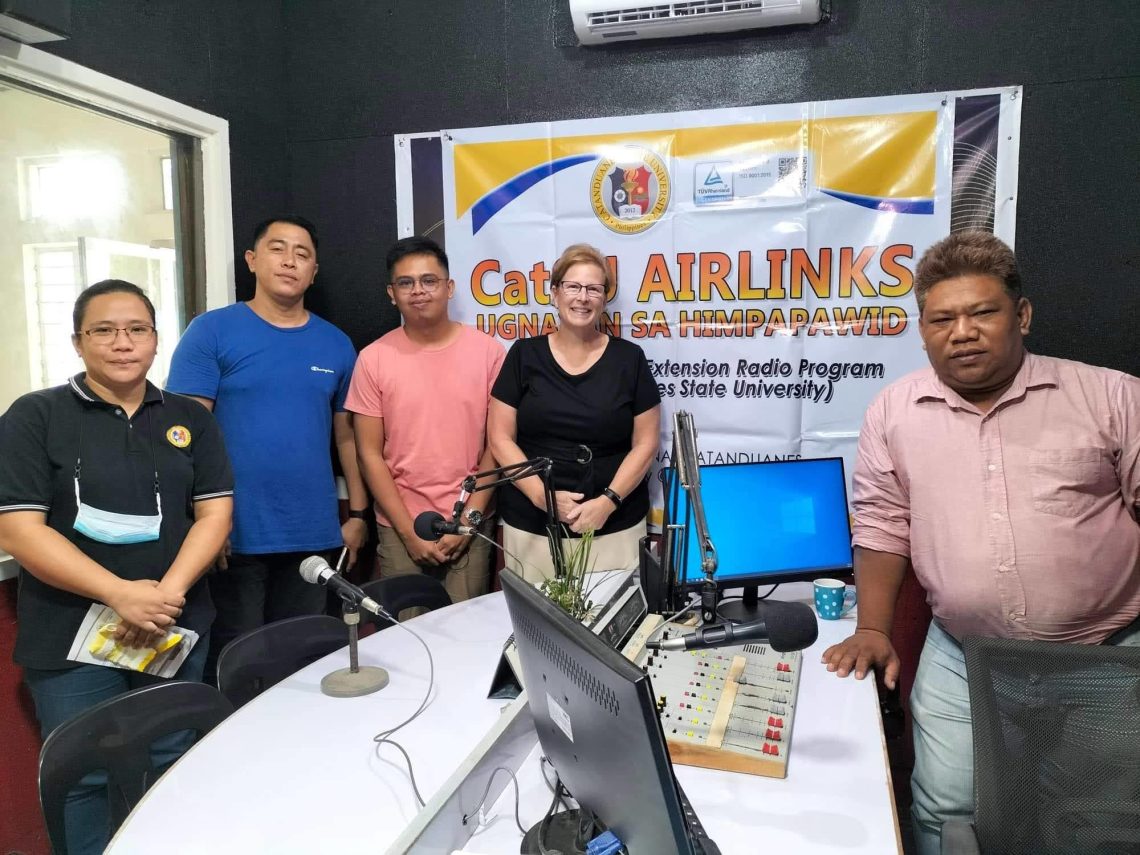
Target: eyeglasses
(573,289)
(429,282)
(106,335)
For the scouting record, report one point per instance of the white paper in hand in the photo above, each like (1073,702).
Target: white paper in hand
(94,644)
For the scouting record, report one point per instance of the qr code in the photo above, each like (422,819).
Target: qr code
(792,166)
(788,166)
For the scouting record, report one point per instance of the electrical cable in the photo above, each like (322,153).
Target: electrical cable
(385,735)
(545,824)
(487,789)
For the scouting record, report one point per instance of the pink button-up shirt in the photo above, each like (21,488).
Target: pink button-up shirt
(1021,522)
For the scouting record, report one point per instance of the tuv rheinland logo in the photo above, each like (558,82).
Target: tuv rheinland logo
(712,183)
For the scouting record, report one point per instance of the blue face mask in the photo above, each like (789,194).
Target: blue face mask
(110,527)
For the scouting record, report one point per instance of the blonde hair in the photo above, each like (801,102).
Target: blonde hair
(580,253)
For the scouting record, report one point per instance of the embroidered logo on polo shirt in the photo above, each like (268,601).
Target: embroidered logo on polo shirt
(178,436)
(321,370)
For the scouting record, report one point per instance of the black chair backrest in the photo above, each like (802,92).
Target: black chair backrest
(1056,746)
(116,736)
(265,656)
(412,590)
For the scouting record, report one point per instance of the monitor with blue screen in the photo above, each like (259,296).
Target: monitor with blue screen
(773,521)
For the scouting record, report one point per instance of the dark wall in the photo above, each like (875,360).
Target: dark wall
(315,89)
(223,57)
(362,70)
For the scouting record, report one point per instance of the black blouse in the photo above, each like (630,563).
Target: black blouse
(559,415)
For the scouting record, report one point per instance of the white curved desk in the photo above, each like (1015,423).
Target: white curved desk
(296,771)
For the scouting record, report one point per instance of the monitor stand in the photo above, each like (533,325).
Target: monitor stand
(568,832)
(741,611)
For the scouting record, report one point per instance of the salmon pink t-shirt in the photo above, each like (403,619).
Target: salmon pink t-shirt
(434,406)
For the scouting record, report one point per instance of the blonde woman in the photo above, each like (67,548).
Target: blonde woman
(586,400)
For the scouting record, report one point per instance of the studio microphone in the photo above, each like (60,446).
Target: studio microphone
(316,571)
(432,526)
(785,627)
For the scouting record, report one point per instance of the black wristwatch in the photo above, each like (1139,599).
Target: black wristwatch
(358,515)
(612,496)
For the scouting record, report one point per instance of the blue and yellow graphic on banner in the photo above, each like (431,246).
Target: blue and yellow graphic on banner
(885,162)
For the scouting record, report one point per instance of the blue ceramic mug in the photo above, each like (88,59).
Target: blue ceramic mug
(833,599)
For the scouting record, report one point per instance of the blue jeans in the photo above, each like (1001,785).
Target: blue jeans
(942,783)
(63,694)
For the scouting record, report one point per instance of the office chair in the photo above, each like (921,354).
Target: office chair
(1056,749)
(265,656)
(116,736)
(410,591)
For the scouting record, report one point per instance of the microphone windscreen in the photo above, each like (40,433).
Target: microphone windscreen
(791,626)
(423,525)
(311,569)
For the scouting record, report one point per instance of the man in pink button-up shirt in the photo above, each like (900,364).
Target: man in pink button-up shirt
(1010,482)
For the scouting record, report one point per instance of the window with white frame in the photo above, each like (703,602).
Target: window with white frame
(51,285)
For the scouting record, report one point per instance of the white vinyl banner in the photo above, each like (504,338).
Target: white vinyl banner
(764,256)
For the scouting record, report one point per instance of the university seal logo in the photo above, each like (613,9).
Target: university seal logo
(178,436)
(630,193)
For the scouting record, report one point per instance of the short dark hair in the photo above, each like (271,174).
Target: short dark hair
(108,286)
(292,219)
(965,253)
(415,245)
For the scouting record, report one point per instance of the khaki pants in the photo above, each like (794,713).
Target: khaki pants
(529,554)
(465,577)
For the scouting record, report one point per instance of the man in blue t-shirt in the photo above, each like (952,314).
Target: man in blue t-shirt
(275,376)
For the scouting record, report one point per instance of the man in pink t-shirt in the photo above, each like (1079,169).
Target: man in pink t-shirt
(420,396)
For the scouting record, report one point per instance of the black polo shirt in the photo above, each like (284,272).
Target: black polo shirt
(40,440)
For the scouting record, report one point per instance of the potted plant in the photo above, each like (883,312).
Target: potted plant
(568,591)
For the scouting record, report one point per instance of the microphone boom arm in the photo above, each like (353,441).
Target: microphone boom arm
(689,476)
(688,470)
(537,466)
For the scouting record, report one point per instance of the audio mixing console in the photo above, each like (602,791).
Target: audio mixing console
(728,708)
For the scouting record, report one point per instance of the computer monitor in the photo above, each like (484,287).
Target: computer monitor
(771,521)
(594,713)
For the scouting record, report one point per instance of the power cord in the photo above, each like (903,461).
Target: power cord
(545,761)
(487,789)
(544,826)
(692,605)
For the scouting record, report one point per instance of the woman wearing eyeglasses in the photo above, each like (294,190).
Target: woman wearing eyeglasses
(587,401)
(114,492)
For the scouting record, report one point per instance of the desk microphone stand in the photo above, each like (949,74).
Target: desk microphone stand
(353,681)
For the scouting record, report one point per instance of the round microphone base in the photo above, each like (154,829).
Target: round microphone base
(346,684)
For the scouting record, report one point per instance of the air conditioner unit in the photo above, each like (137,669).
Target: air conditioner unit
(602,21)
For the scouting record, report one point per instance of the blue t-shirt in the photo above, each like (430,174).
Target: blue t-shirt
(274,391)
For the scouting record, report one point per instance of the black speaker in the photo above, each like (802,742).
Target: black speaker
(652,576)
